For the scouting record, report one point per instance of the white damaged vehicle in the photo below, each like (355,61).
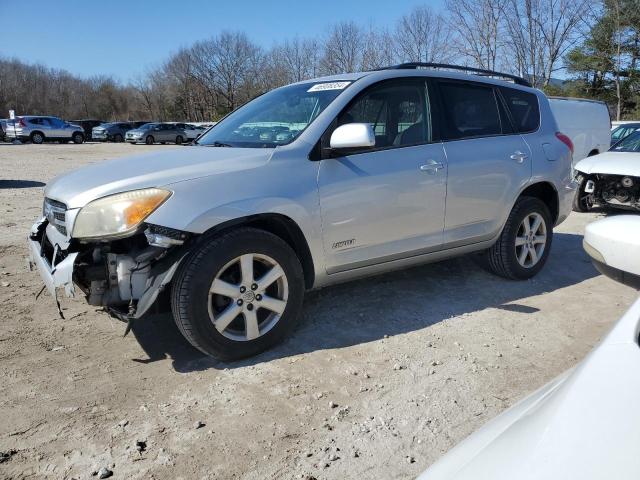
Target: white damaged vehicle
(611,179)
(584,424)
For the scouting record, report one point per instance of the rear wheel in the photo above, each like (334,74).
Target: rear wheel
(583,201)
(118,138)
(524,244)
(149,140)
(37,138)
(77,138)
(238,294)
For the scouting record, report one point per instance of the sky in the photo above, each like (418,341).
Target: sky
(127,38)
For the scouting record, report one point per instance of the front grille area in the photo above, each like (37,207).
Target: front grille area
(55,212)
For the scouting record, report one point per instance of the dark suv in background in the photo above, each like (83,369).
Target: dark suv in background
(88,125)
(111,132)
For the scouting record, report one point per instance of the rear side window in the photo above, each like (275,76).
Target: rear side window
(524,109)
(471,110)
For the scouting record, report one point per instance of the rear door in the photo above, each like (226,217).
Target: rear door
(58,129)
(489,162)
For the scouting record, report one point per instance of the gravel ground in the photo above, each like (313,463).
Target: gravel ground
(381,378)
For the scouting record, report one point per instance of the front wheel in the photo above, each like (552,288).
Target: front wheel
(77,138)
(179,140)
(118,138)
(149,140)
(238,294)
(524,244)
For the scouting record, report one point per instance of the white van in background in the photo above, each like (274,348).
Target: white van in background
(586,122)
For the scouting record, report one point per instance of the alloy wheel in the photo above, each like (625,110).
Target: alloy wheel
(531,240)
(248,297)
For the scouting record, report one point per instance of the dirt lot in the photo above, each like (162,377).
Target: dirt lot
(381,378)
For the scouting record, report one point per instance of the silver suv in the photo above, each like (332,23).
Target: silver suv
(151,133)
(311,184)
(39,129)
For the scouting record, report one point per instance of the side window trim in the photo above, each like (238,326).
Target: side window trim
(319,151)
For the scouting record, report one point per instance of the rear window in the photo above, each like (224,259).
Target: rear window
(524,109)
(471,110)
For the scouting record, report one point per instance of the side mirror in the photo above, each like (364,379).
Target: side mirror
(353,135)
(157,129)
(613,244)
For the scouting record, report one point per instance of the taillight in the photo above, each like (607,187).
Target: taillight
(566,140)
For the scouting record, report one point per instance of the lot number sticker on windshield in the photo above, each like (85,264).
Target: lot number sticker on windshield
(319,87)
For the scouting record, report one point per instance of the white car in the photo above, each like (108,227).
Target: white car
(585,122)
(192,131)
(611,179)
(585,424)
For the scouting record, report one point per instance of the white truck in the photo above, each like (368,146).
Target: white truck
(586,122)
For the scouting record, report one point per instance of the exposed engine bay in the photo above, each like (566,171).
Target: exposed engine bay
(617,191)
(124,276)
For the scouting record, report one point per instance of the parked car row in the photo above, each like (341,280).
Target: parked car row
(39,129)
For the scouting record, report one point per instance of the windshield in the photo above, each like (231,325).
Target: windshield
(275,118)
(630,143)
(622,131)
(147,126)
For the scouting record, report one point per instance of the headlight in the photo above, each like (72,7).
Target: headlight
(117,215)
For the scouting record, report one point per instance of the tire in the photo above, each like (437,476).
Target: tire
(118,138)
(37,138)
(218,258)
(505,257)
(149,140)
(582,202)
(179,140)
(77,138)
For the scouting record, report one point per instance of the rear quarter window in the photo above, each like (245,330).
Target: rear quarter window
(524,109)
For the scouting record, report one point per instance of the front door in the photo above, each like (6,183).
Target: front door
(386,202)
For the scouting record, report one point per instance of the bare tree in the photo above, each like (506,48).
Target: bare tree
(422,36)
(478,28)
(379,49)
(540,33)
(343,49)
(227,65)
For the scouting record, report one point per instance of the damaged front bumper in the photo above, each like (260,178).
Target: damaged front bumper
(124,277)
(47,253)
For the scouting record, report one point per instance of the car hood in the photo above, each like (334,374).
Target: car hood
(611,163)
(137,131)
(81,186)
(585,424)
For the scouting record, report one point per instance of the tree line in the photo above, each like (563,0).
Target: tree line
(597,44)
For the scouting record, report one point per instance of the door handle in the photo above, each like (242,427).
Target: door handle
(432,167)
(519,156)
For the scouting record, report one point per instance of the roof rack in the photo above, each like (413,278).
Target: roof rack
(446,66)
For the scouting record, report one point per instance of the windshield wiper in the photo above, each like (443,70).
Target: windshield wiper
(219,144)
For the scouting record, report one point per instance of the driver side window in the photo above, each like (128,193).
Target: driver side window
(396,110)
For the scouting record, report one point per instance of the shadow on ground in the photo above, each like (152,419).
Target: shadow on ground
(391,304)
(20,184)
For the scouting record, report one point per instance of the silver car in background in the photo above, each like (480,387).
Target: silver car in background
(151,133)
(39,129)
(308,185)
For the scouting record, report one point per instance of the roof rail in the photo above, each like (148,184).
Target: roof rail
(446,66)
